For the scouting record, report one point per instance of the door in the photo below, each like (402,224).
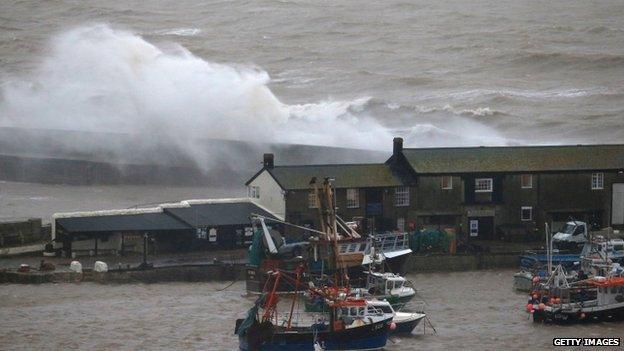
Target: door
(617,206)
(481,228)
(374,209)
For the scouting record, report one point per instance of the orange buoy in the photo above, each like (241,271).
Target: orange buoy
(541,306)
(529,307)
(582,315)
(392,326)
(535,296)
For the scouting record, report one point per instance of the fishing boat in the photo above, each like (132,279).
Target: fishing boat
(349,324)
(594,299)
(391,287)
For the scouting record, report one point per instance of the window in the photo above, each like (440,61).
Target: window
(597,182)
(253,192)
(401,196)
(526,181)
(353,198)
(201,233)
(401,224)
(312,199)
(526,213)
(483,185)
(447,182)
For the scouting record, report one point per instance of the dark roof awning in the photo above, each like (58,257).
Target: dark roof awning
(121,223)
(217,213)
(516,159)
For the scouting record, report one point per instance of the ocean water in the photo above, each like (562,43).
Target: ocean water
(347,73)
(469,310)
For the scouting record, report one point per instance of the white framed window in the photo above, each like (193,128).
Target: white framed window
(353,198)
(597,182)
(401,196)
(312,203)
(526,213)
(401,224)
(446,182)
(526,181)
(253,192)
(483,185)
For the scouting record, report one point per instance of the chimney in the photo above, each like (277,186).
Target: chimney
(397,146)
(268,160)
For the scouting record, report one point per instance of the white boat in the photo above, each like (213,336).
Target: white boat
(405,322)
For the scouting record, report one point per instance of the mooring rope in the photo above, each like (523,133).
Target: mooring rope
(228,286)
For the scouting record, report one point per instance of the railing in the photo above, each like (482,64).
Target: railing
(393,241)
(302,319)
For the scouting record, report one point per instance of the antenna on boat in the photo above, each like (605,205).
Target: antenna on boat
(548,248)
(267,236)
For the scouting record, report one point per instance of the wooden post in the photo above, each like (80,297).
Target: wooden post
(145,249)
(95,249)
(122,245)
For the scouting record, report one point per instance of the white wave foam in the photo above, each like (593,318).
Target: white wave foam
(105,80)
(458,132)
(182,32)
(528,94)
(477,112)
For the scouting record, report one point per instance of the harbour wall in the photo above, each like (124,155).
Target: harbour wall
(468,262)
(221,271)
(181,273)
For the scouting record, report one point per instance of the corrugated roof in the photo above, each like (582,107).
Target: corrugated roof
(121,223)
(516,158)
(217,214)
(346,175)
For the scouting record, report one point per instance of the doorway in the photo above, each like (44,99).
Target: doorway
(481,228)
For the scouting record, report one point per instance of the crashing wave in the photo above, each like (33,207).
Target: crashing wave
(100,79)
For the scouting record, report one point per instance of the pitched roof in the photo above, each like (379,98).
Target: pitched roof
(516,158)
(217,213)
(345,175)
(121,223)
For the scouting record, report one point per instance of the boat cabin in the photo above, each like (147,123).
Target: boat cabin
(385,283)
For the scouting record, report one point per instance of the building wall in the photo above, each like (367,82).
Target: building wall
(561,193)
(271,196)
(551,196)
(298,211)
(14,233)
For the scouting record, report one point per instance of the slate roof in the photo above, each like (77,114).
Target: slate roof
(217,214)
(516,159)
(121,223)
(345,175)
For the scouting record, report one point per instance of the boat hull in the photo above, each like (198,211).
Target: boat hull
(523,281)
(407,327)
(369,337)
(589,316)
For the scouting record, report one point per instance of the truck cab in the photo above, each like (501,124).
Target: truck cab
(572,235)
